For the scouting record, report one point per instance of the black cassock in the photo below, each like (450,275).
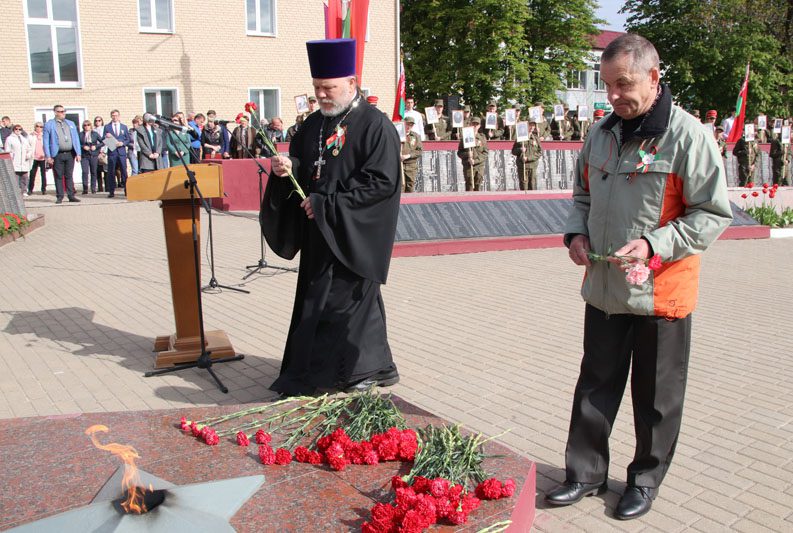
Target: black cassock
(338,331)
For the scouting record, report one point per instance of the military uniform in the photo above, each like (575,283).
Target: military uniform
(441,131)
(456,132)
(411,153)
(781,159)
(544,127)
(474,159)
(527,158)
(497,133)
(747,154)
(722,144)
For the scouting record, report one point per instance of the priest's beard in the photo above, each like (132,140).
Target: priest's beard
(340,104)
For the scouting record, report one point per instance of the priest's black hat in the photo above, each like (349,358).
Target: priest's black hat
(331,58)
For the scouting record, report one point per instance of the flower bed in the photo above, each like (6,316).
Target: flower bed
(13,226)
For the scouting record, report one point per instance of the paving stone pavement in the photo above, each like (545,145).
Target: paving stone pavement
(490,340)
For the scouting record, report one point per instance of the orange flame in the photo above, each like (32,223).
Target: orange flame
(131,480)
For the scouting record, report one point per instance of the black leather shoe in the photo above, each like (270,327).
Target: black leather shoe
(74,199)
(59,201)
(635,502)
(571,492)
(385,379)
(111,195)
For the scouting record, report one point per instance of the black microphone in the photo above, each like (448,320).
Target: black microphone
(221,121)
(165,123)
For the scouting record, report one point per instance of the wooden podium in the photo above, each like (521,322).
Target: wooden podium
(168,185)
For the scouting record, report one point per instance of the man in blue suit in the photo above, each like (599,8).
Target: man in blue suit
(62,148)
(117,157)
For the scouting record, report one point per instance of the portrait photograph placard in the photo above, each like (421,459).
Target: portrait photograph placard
(785,134)
(510,116)
(535,114)
(400,127)
(583,113)
(301,103)
(522,131)
(457,118)
(762,122)
(748,132)
(469,137)
(491,121)
(777,125)
(558,112)
(432,115)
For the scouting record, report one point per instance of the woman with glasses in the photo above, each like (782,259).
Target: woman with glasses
(101,162)
(36,140)
(90,142)
(21,156)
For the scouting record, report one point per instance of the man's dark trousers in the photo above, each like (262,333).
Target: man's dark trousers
(658,348)
(62,169)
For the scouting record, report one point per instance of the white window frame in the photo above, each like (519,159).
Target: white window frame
(598,85)
(159,90)
(54,24)
(154,28)
(580,76)
(258,33)
(259,103)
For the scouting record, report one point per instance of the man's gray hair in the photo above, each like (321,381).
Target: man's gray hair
(641,52)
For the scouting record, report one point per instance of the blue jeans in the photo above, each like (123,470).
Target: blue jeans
(133,161)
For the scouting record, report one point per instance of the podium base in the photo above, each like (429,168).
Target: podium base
(172,351)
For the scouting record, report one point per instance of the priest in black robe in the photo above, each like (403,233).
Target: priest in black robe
(346,159)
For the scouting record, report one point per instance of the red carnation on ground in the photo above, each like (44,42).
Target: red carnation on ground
(383,513)
(336,458)
(194,429)
(470,503)
(262,438)
(266,455)
(744,195)
(439,487)
(405,497)
(282,456)
(489,489)
(398,483)
(755,194)
(324,442)
(242,439)
(421,485)
(508,489)
(210,436)
(184,424)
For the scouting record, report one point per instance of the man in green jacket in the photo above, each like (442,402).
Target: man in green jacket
(474,159)
(527,158)
(649,180)
(747,154)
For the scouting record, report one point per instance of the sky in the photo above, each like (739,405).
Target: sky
(608,11)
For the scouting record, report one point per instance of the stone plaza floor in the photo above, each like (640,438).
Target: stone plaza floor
(490,340)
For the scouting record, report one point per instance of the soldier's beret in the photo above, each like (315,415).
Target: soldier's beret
(599,113)
(711,113)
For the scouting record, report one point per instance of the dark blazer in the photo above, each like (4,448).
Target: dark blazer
(146,148)
(123,137)
(93,142)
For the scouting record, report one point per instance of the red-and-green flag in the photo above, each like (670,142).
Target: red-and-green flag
(347,19)
(399,104)
(740,110)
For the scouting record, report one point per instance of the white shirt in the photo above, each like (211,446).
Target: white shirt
(727,125)
(418,128)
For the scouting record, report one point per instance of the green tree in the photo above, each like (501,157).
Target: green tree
(704,47)
(484,49)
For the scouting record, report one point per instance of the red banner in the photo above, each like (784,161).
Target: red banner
(736,132)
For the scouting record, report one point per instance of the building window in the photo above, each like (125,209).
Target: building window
(160,101)
(260,15)
(53,43)
(599,85)
(155,16)
(575,79)
(267,100)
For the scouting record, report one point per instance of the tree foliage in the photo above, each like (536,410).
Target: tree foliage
(704,47)
(484,49)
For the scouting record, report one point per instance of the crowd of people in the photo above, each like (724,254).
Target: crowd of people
(144,146)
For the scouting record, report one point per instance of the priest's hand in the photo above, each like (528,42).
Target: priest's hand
(282,166)
(306,205)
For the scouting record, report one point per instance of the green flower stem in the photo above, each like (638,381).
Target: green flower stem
(270,146)
(497,527)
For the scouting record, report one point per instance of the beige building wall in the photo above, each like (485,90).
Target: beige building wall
(208,58)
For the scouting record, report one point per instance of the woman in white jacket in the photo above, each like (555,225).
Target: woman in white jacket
(21,155)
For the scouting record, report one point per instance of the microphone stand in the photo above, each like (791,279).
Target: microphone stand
(261,263)
(204,360)
(213,282)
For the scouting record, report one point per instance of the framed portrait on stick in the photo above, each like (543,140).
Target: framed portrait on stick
(491,121)
(400,127)
(522,131)
(510,117)
(748,132)
(777,125)
(762,122)
(785,135)
(457,118)
(558,112)
(432,115)
(583,113)
(535,114)
(301,103)
(469,137)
